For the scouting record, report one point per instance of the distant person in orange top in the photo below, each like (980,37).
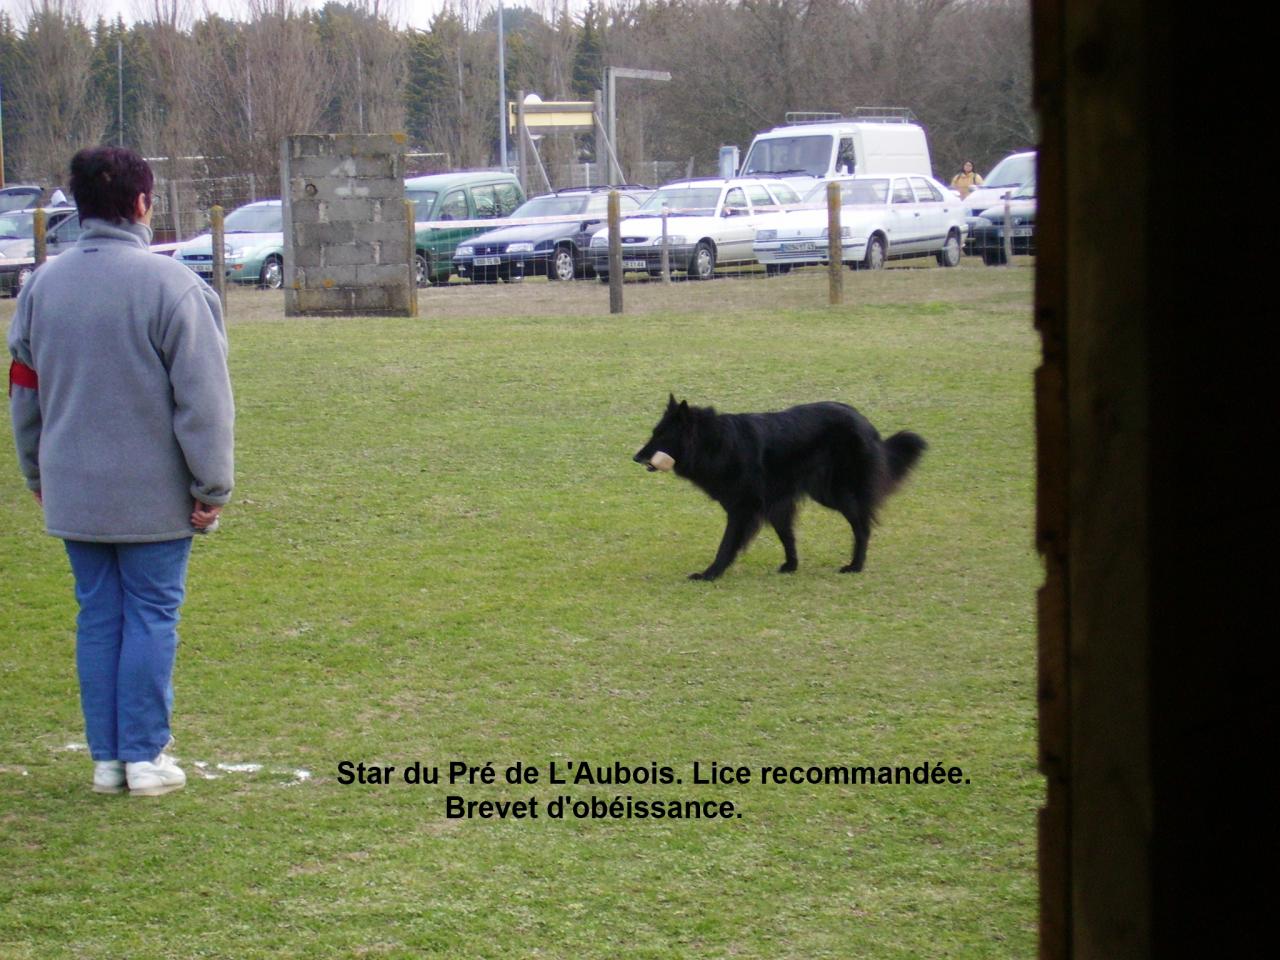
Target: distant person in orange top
(966,179)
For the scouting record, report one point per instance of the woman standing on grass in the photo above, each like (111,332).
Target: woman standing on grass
(966,180)
(123,416)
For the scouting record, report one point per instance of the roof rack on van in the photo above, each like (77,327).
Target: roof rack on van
(811,116)
(865,114)
(885,114)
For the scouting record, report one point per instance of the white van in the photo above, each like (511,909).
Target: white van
(819,146)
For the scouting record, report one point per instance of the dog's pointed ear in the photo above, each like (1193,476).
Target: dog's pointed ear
(684,406)
(671,401)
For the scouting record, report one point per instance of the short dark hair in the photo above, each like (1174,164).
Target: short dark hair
(106,181)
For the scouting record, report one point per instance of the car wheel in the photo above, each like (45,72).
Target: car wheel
(421,269)
(602,277)
(563,265)
(20,279)
(874,260)
(702,265)
(949,255)
(272,275)
(776,269)
(993,258)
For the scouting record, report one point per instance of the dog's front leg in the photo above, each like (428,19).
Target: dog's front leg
(740,528)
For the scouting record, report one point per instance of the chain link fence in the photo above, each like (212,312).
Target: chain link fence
(181,207)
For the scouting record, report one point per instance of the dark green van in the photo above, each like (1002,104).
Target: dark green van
(441,198)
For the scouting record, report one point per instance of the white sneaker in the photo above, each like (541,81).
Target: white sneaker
(152,778)
(108,776)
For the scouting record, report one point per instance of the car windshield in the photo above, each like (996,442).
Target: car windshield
(1012,171)
(1025,192)
(16,226)
(551,206)
(683,200)
(255,219)
(852,193)
(425,199)
(783,155)
(18,200)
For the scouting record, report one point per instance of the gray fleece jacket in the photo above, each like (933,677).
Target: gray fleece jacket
(131,418)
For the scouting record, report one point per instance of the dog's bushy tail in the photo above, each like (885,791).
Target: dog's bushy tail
(904,449)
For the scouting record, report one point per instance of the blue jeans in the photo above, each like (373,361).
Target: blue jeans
(126,642)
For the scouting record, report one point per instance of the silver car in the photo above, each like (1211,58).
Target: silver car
(882,217)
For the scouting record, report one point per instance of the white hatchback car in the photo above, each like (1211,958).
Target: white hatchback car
(882,217)
(709,222)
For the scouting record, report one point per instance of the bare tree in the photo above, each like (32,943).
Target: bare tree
(263,80)
(367,57)
(61,112)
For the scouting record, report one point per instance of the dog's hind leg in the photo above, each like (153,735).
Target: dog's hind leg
(782,516)
(860,520)
(741,527)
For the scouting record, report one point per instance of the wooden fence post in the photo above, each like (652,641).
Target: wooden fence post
(835,249)
(615,252)
(217,239)
(39,221)
(409,207)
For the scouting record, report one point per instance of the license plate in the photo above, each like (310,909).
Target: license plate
(800,247)
(635,265)
(487,261)
(1019,232)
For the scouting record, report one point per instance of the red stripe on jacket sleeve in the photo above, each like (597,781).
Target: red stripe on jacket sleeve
(20,375)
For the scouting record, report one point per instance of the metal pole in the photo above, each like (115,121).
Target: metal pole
(835,250)
(359,90)
(120,92)
(666,254)
(520,139)
(1,133)
(602,134)
(1007,241)
(611,85)
(502,93)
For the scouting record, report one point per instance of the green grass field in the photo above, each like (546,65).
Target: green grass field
(440,550)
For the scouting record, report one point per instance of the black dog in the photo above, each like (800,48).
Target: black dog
(759,465)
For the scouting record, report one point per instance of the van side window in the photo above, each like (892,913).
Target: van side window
(508,198)
(454,206)
(902,192)
(846,157)
(486,199)
(68,231)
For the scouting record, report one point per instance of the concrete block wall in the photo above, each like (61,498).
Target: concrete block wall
(348,246)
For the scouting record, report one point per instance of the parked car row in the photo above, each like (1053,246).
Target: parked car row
(17,242)
(709,223)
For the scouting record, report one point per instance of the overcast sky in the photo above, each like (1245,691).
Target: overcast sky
(416,13)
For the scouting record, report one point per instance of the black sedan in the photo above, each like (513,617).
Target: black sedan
(987,232)
(550,237)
